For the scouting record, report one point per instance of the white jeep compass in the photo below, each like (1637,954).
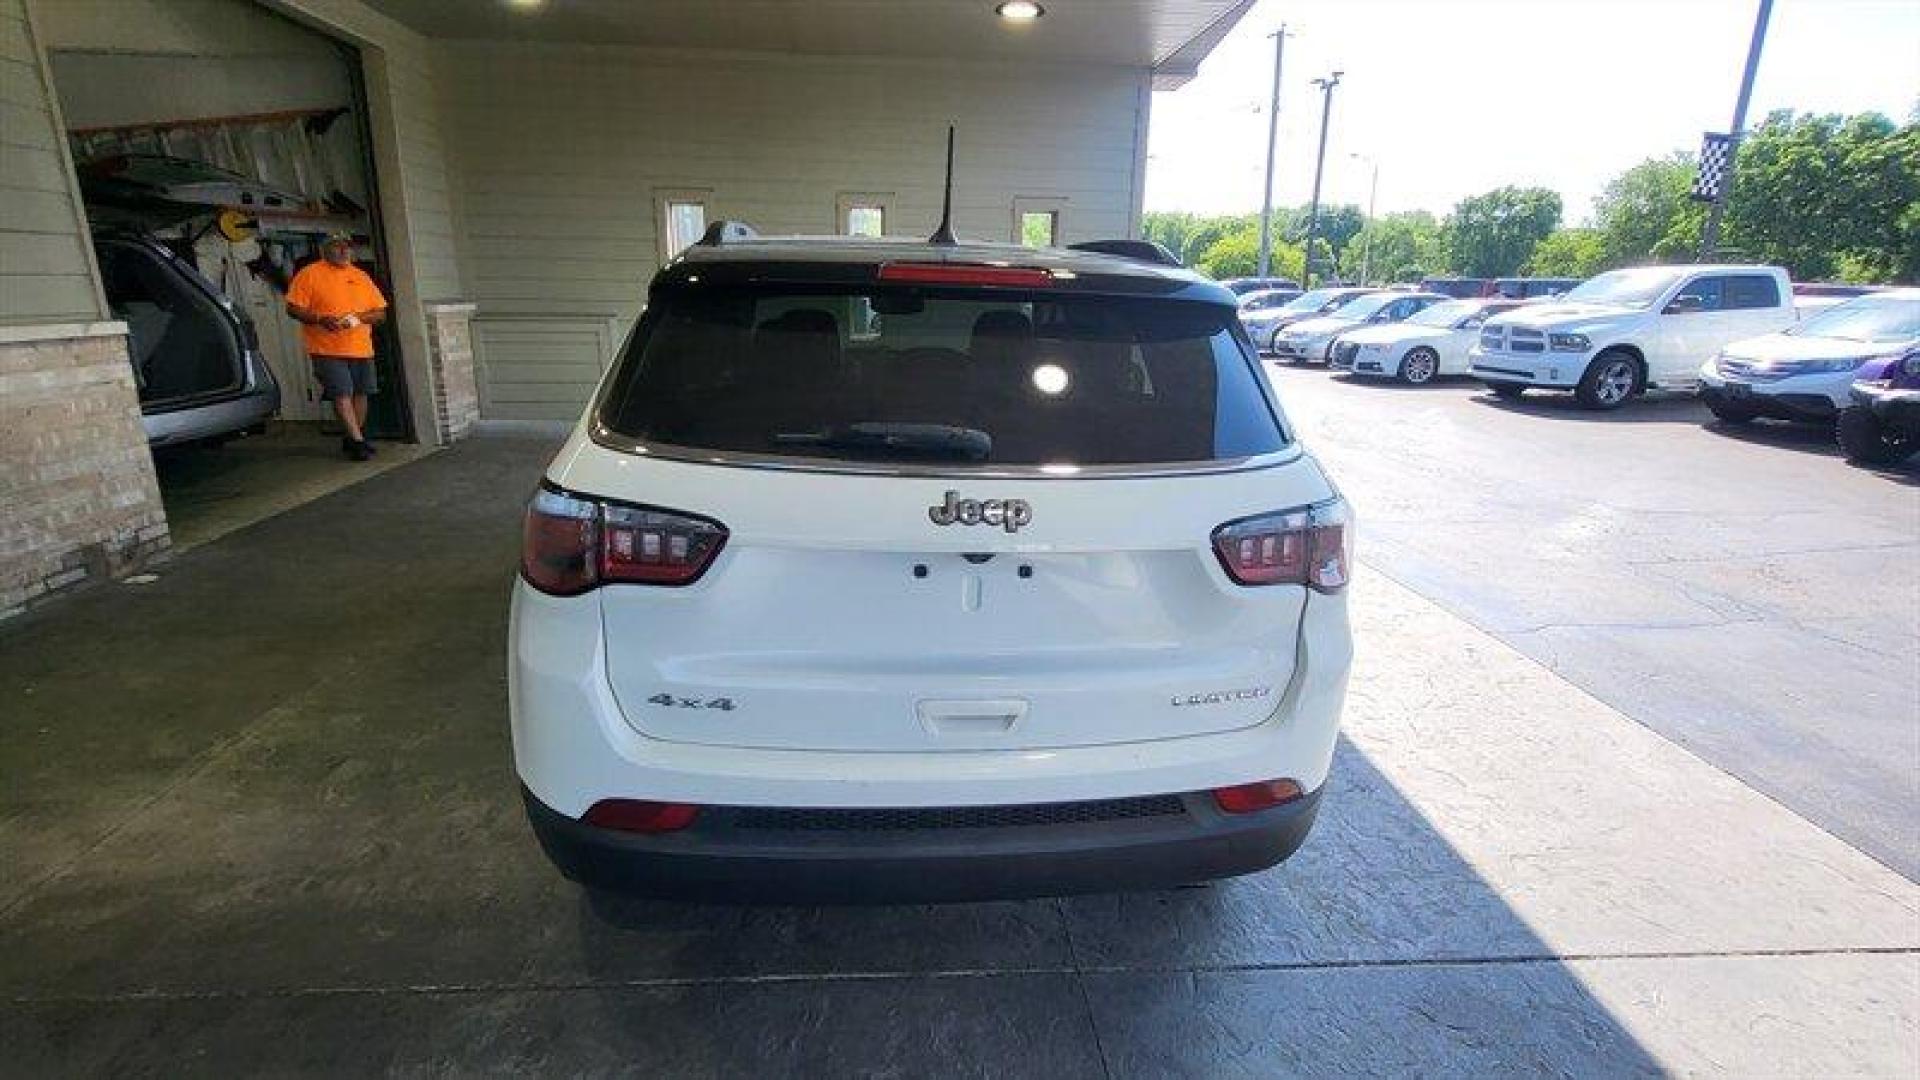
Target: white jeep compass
(881,570)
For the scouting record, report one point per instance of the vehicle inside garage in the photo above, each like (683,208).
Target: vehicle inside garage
(215,145)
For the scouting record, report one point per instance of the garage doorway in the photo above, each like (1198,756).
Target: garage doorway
(216,144)
(236,139)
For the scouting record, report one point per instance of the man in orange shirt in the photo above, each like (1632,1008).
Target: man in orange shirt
(338,306)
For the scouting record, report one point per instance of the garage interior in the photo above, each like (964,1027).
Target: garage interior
(235,139)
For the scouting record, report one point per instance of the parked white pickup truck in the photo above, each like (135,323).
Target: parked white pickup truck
(1620,332)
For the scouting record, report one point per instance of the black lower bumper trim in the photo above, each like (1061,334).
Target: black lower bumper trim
(1810,408)
(716,861)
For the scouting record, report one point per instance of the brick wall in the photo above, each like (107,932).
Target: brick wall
(456,394)
(78,498)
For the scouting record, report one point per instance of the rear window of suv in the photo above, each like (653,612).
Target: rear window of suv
(940,375)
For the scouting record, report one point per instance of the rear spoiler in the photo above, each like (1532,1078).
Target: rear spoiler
(1138,250)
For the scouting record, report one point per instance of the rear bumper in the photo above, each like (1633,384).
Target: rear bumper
(257,401)
(730,854)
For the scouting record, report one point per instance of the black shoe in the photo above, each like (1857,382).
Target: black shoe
(355,451)
(367,445)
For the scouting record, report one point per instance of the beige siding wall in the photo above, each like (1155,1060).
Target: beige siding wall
(561,154)
(46,263)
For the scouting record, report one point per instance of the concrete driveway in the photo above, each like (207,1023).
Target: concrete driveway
(1741,590)
(259,816)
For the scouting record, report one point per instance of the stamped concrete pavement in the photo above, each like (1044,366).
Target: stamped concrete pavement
(260,816)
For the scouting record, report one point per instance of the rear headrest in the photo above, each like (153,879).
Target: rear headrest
(799,347)
(1001,339)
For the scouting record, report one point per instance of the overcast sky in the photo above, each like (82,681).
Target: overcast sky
(1455,97)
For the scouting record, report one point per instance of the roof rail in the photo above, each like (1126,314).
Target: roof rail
(1137,250)
(727,232)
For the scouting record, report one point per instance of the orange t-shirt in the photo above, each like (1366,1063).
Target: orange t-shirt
(326,289)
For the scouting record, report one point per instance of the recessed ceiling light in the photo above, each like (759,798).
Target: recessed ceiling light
(1020,10)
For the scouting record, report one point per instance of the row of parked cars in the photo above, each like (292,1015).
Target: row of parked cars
(1745,338)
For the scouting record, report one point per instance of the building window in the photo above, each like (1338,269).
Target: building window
(867,221)
(862,213)
(1038,223)
(682,220)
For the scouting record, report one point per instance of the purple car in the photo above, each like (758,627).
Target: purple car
(1882,426)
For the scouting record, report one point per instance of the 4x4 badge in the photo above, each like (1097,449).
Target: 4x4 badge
(1009,514)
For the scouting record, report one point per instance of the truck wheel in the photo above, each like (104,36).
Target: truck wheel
(1732,414)
(1420,366)
(1867,441)
(1610,380)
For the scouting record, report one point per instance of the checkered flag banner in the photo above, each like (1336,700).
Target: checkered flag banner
(1716,158)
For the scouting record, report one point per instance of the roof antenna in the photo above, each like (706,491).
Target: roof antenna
(944,234)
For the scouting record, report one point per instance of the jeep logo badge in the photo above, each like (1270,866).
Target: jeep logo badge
(1009,514)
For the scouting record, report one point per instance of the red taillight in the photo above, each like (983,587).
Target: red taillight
(574,544)
(1309,546)
(640,816)
(653,547)
(1264,795)
(970,274)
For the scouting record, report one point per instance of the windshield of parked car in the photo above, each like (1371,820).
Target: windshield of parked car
(1637,288)
(1313,301)
(1366,307)
(1885,317)
(944,375)
(1444,315)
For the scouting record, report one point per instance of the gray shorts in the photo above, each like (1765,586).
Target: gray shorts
(344,378)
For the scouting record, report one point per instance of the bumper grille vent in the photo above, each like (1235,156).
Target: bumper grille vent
(906,819)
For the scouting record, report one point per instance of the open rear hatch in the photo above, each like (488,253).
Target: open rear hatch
(185,346)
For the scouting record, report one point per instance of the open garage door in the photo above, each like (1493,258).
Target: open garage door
(235,139)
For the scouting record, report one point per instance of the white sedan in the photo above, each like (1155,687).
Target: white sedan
(1424,347)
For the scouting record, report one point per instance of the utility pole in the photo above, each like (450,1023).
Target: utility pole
(1710,233)
(1326,86)
(1373,192)
(1273,134)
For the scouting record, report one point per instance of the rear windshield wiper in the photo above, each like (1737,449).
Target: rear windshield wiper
(899,440)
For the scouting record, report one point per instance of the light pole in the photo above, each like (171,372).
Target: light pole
(1373,192)
(1273,134)
(1710,232)
(1326,86)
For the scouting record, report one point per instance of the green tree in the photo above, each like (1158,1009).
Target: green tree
(1829,196)
(1237,254)
(1569,253)
(1644,214)
(1394,247)
(1491,234)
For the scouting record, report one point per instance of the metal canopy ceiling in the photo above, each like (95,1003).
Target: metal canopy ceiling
(1169,36)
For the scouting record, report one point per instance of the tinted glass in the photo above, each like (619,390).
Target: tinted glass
(1750,291)
(1447,313)
(1626,288)
(1365,307)
(1888,318)
(945,376)
(1710,290)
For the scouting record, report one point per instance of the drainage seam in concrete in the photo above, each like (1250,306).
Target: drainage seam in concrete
(168,996)
(1086,996)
